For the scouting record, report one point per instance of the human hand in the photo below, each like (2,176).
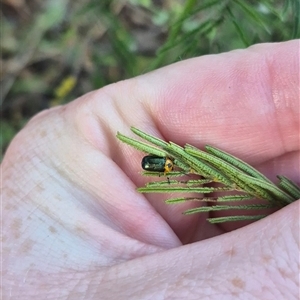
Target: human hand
(75,228)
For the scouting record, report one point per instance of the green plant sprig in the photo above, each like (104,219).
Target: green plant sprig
(213,165)
(254,182)
(226,207)
(228,198)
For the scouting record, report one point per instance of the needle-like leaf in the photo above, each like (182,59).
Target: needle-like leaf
(212,166)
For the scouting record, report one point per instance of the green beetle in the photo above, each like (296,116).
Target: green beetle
(157,164)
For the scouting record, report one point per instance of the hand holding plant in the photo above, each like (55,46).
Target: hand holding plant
(75,227)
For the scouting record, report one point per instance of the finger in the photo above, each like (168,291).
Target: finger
(240,101)
(245,102)
(260,261)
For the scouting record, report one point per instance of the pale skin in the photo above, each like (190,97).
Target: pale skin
(74,226)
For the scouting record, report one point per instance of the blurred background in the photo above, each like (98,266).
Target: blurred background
(53,51)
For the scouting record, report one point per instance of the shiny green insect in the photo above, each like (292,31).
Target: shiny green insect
(157,164)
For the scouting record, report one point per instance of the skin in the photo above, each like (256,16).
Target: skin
(75,228)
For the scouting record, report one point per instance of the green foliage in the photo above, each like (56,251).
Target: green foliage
(242,181)
(100,42)
(7,133)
